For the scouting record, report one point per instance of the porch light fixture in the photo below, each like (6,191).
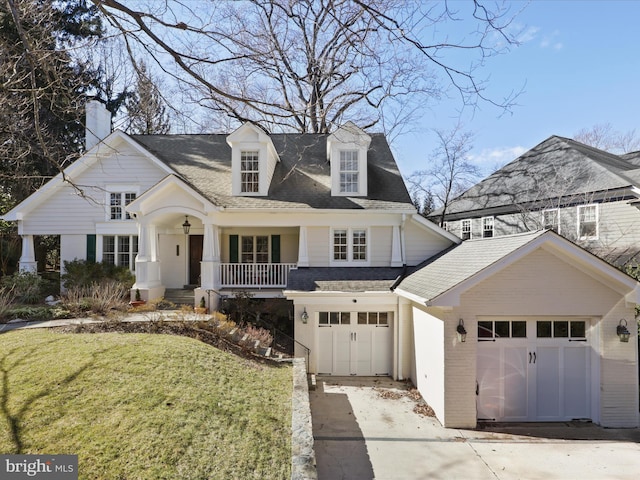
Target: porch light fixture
(186,226)
(304,315)
(623,331)
(462,332)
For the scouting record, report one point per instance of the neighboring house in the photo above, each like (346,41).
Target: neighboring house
(326,222)
(585,194)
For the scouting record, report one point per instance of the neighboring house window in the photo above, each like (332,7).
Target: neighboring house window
(348,171)
(445,226)
(487,227)
(117,202)
(350,245)
(466,229)
(249,172)
(551,220)
(587,221)
(255,249)
(120,250)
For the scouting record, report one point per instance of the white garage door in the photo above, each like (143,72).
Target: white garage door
(354,343)
(535,370)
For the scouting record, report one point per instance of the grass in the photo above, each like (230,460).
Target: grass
(143,406)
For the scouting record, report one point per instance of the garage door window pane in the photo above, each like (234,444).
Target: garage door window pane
(485,329)
(543,329)
(519,329)
(560,329)
(362,318)
(578,329)
(323,318)
(502,329)
(334,318)
(382,318)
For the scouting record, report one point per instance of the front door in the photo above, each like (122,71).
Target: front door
(535,370)
(195,257)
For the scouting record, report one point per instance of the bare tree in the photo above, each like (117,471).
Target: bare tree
(449,172)
(308,65)
(604,137)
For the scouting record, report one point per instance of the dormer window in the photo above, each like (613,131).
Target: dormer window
(349,171)
(249,172)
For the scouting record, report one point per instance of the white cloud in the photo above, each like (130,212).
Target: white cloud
(491,159)
(550,41)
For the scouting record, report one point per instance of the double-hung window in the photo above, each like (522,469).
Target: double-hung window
(249,172)
(117,202)
(587,221)
(487,227)
(349,245)
(255,249)
(120,250)
(349,171)
(465,227)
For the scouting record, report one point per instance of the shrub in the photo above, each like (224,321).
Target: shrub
(30,313)
(6,299)
(98,298)
(259,334)
(26,286)
(80,273)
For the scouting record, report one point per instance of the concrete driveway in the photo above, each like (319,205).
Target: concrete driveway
(366,428)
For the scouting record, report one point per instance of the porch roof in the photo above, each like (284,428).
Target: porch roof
(302,178)
(345,279)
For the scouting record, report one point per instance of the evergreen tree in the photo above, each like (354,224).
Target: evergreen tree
(146,108)
(42,88)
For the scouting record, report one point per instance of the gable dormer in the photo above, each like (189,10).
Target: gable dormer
(253,161)
(347,153)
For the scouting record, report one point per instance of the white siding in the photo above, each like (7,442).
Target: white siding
(72,247)
(318,246)
(380,246)
(67,212)
(421,243)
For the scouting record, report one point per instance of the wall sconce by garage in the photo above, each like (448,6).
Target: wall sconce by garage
(304,316)
(622,331)
(461,331)
(186,226)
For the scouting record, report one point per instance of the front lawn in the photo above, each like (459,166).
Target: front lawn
(144,406)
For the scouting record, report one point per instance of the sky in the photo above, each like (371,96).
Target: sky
(578,65)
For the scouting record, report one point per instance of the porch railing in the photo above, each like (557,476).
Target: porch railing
(254,275)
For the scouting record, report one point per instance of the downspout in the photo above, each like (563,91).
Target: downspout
(392,288)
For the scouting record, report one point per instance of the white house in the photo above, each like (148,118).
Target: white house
(326,222)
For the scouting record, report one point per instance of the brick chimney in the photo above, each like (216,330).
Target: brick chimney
(98,123)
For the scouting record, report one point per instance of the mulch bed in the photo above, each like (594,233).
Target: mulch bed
(169,328)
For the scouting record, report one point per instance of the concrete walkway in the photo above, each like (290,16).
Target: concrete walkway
(360,434)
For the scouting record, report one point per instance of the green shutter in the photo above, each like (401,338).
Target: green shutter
(275,248)
(233,248)
(91,248)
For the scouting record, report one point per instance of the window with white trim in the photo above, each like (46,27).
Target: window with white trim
(117,202)
(551,220)
(587,221)
(349,245)
(120,250)
(465,229)
(255,249)
(349,171)
(249,171)
(487,227)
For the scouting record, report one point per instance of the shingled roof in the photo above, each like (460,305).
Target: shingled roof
(346,279)
(461,262)
(302,178)
(557,167)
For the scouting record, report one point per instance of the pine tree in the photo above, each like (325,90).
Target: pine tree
(146,108)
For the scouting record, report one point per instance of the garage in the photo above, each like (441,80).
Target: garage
(534,369)
(355,343)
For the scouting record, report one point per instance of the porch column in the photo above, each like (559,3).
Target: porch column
(303,253)
(209,270)
(396,249)
(147,263)
(28,257)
